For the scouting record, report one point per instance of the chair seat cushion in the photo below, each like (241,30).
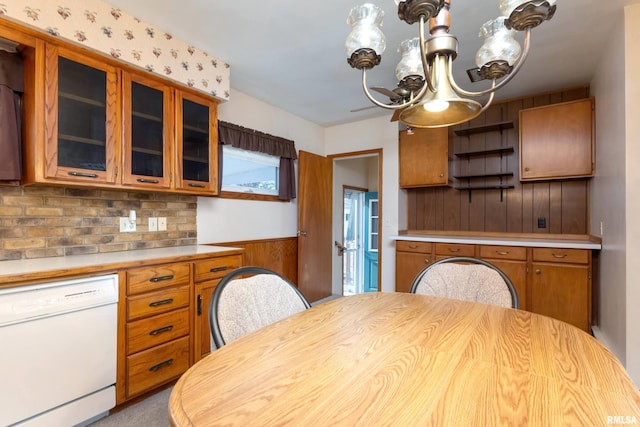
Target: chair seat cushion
(465,282)
(254,302)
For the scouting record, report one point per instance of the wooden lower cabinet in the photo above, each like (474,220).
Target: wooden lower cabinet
(552,282)
(207,276)
(411,258)
(560,285)
(163,320)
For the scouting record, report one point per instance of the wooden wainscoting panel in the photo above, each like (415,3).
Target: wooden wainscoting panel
(279,255)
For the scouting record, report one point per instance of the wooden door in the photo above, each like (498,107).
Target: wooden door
(315,176)
(371,218)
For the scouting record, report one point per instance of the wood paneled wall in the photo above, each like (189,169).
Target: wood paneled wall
(279,255)
(563,204)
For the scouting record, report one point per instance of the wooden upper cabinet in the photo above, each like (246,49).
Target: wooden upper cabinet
(423,157)
(81,119)
(92,122)
(196,160)
(148,125)
(556,141)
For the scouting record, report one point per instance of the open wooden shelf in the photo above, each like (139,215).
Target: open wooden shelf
(467,154)
(484,128)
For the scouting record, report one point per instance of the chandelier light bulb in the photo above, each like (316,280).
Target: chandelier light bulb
(436,106)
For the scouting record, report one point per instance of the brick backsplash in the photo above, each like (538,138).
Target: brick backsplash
(39,221)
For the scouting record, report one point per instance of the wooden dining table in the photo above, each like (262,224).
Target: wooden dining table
(397,359)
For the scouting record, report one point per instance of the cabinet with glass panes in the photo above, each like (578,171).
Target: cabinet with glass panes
(147,121)
(197,141)
(81,129)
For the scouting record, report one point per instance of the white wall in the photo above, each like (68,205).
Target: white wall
(608,193)
(225,220)
(366,135)
(632,113)
(615,191)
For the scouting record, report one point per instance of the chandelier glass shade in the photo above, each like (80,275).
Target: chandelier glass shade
(429,95)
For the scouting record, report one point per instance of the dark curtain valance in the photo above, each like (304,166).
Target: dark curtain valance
(253,140)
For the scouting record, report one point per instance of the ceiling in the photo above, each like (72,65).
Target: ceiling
(291,54)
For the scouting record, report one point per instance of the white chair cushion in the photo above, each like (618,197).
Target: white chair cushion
(248,304)
(469,282)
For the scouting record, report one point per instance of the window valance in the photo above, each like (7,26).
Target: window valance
(253,140)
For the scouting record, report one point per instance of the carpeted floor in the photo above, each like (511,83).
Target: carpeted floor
(151,412)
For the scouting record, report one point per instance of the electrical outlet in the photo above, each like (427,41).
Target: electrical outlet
(162,223)
(542,222)
(153,224)
(126,225)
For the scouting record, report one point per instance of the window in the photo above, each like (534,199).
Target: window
(249,171)
(373,225)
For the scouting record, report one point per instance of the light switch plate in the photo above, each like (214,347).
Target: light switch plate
(153,223)
(162,223)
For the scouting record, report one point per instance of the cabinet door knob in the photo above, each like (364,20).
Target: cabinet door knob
(441,175)
(527,169)
(538,271)
(426,261)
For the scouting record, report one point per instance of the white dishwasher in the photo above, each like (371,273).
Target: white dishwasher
(58,351)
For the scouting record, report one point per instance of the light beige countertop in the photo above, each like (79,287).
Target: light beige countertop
(22,270)
(508,239)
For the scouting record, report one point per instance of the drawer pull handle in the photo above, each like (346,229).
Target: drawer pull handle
(148,181)
(426,261)
(454,249)
(559,255)
(161,278)
(191,184)
(161,330)
(502,252)
(161,302)
(217,269)
(413,246)
(161,365)
(83,174)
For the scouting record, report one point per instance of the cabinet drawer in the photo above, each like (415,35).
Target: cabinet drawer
(575,256)
(455,249)
(216,268)
(156,330)
(517,253)
(157,302)
(422,247)
(150,368)
(151,278)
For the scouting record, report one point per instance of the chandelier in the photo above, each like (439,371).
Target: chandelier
(427,95)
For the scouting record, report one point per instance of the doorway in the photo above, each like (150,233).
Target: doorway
(356,189)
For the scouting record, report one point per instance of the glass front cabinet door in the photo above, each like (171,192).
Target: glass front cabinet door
(81,130)
(197,140)
(147,122)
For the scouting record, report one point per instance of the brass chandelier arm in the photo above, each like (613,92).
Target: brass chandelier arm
(490,100)
(503,82)
(412,100)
